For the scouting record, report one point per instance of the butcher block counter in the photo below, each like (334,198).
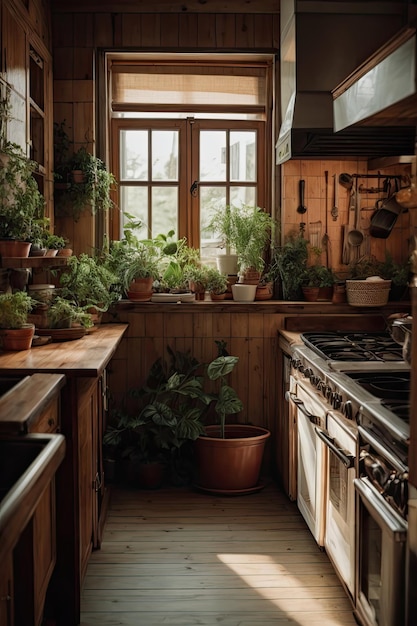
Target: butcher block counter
(81,494)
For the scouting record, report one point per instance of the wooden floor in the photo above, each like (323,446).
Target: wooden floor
(180,557)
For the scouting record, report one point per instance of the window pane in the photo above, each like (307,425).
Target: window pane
(243,156)
(133,155)
(164,210)
(211,198)
(213,155)
(134,200)
(243,195)
(165,155)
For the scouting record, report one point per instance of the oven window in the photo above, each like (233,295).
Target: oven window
(371,547)
(338,486)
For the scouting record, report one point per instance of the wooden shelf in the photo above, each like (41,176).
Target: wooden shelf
(33,261)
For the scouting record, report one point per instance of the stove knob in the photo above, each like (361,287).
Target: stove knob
(348,409)
(308,372)
(326,390)
(295,363)
(336,400)
(315,381)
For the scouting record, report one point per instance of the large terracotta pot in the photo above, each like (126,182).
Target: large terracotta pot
(17,338)
(12,248)
(232,464)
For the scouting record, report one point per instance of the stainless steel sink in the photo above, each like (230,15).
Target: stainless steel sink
(27,465)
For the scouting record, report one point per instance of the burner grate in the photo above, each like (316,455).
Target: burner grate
(339,346)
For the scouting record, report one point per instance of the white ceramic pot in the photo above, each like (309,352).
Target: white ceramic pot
(227,263)
(243,293)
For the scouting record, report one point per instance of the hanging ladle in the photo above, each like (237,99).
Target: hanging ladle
(346,180)
(355,236)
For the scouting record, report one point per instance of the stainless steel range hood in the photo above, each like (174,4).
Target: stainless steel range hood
(319,42)
(383,90)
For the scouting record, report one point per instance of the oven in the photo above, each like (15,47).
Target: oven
(351,378)
(382,493)
(311,459)
(339,536)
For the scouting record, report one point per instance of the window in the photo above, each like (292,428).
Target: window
(187,138)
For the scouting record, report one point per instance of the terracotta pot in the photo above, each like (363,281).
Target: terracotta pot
(65,252)
(13,248)
(17,338)
(231,464)
(251,277)
(325,293)
(217,296)
(140,289)
(264,292)
(310,293)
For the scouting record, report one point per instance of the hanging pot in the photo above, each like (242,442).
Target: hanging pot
(384,218)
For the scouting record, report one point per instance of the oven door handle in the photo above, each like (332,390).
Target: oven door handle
(292,397)
(347,459)
(380,510)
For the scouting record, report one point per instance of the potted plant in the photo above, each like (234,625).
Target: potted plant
(88,184)
(222,226)
(197,276)
(228,456)
(87,281)
(139,270)
(290,261)
(20,201)
(166,415)
(15,331)
(316,277)
(63,313)
(216,284)
(252,232)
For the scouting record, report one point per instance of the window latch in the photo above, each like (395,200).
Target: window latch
(193,188)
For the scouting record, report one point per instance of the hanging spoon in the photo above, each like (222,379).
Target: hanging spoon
(301,207)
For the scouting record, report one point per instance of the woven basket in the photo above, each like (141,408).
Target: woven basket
(367,292)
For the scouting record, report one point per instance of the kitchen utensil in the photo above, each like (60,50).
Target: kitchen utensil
(384,218)
(335,207)
(315,233)
(301,188)
(325,240)
(346,180)
(355,236)
(348,227)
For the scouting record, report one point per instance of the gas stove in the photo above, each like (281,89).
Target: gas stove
(354,370)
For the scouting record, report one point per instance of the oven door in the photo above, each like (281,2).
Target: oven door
(311,459)
(381,543)
(339,539)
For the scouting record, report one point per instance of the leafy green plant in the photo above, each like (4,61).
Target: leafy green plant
(290,261)
(398,273)
(140,262)
(63,313)
(318,276)
(216,281)
(88,282)
(14,309)
(226,400)
(93,190)
(20,199)
(252,232)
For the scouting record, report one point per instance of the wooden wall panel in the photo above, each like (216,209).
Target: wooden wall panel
(103,30)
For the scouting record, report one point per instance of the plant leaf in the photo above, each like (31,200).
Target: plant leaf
(221,366)
(228,401)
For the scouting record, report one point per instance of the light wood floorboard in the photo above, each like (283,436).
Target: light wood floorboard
(178,557)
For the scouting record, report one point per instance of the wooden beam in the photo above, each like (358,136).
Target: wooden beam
(149,6)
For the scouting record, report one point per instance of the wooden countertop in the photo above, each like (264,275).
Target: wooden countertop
(87,356)
(27,399)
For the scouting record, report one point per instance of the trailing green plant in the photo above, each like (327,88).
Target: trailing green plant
(93,191)
(20,199)
(290,261)
(63,313)
(88,282)
(14,309)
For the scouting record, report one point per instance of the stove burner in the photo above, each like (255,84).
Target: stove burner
(338,346)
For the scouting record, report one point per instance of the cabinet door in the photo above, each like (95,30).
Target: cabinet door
(87,467)
(6,592)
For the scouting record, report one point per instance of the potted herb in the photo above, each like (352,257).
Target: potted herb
(317,277)
(15,331)
(197,276)
(216,284)
(222,226)
(140,270)
(252,233)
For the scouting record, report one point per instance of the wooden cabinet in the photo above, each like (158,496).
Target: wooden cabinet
(80,489)
(6,592)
